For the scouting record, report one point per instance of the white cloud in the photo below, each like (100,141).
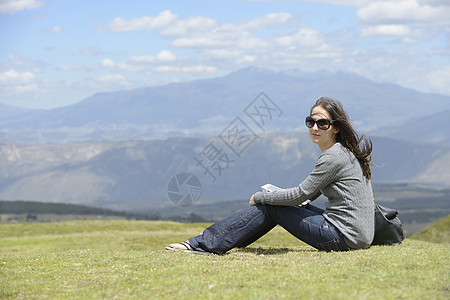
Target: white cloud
(232,35)
(171,24)
(26,88)
(223,53)
(18,61)
(355,3)
(365,3)
(203,32)
(400,67)
(271,19)
(123,66)
(386,30)
(246,59)
(186,69)
(435,2)
(196,24)
(414,20)
(56,29)
(233,44)
(12,77)
(304,37)
(166,55)
(162,56)
(410,11)
(108,63)
(237,57)
(112,78)
(128,67)
(201,42)
(145,23)
(13,6)
(440,80)
(13,83)
(221,39)
(137,63)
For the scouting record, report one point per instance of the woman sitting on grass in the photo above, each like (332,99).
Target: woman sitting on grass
(342,174)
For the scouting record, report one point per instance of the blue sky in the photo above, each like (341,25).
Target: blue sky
(56,53)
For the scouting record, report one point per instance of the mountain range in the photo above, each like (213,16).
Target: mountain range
(135,175)
(426,128)
(204,107)
(122,149)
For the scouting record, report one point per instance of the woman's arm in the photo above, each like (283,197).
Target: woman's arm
(324,173)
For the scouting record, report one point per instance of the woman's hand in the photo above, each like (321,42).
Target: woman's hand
(251,202)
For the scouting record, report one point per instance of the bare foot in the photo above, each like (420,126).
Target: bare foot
(178,246)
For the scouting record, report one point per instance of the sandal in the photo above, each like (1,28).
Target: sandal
(188,248)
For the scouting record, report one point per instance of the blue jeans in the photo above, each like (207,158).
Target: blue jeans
(246,226)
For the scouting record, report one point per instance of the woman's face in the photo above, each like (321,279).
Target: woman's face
(323,138)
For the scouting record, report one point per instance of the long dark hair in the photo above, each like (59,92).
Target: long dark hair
(360,146)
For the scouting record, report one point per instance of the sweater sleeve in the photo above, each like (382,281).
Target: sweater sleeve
(323,174)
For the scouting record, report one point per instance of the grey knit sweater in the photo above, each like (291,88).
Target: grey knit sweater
(350,206)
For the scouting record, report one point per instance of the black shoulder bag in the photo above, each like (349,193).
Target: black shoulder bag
(388,227)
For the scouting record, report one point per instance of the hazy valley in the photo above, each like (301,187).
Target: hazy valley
(121,149)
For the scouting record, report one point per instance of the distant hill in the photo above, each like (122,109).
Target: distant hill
(414,213)
(205,107)
(135,174)
(31,211)
(32,207)
(438,232)
(426,129)
(402,161)
(8,112)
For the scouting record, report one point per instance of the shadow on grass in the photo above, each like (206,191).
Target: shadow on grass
(270,251)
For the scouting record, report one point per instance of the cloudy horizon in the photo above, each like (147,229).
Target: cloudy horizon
(55,54)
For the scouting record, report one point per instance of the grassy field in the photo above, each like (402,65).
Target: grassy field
(126,259)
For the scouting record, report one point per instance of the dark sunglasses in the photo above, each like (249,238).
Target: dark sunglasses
(323,124)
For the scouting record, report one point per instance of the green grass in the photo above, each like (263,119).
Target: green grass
(438,232)
(126,259)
